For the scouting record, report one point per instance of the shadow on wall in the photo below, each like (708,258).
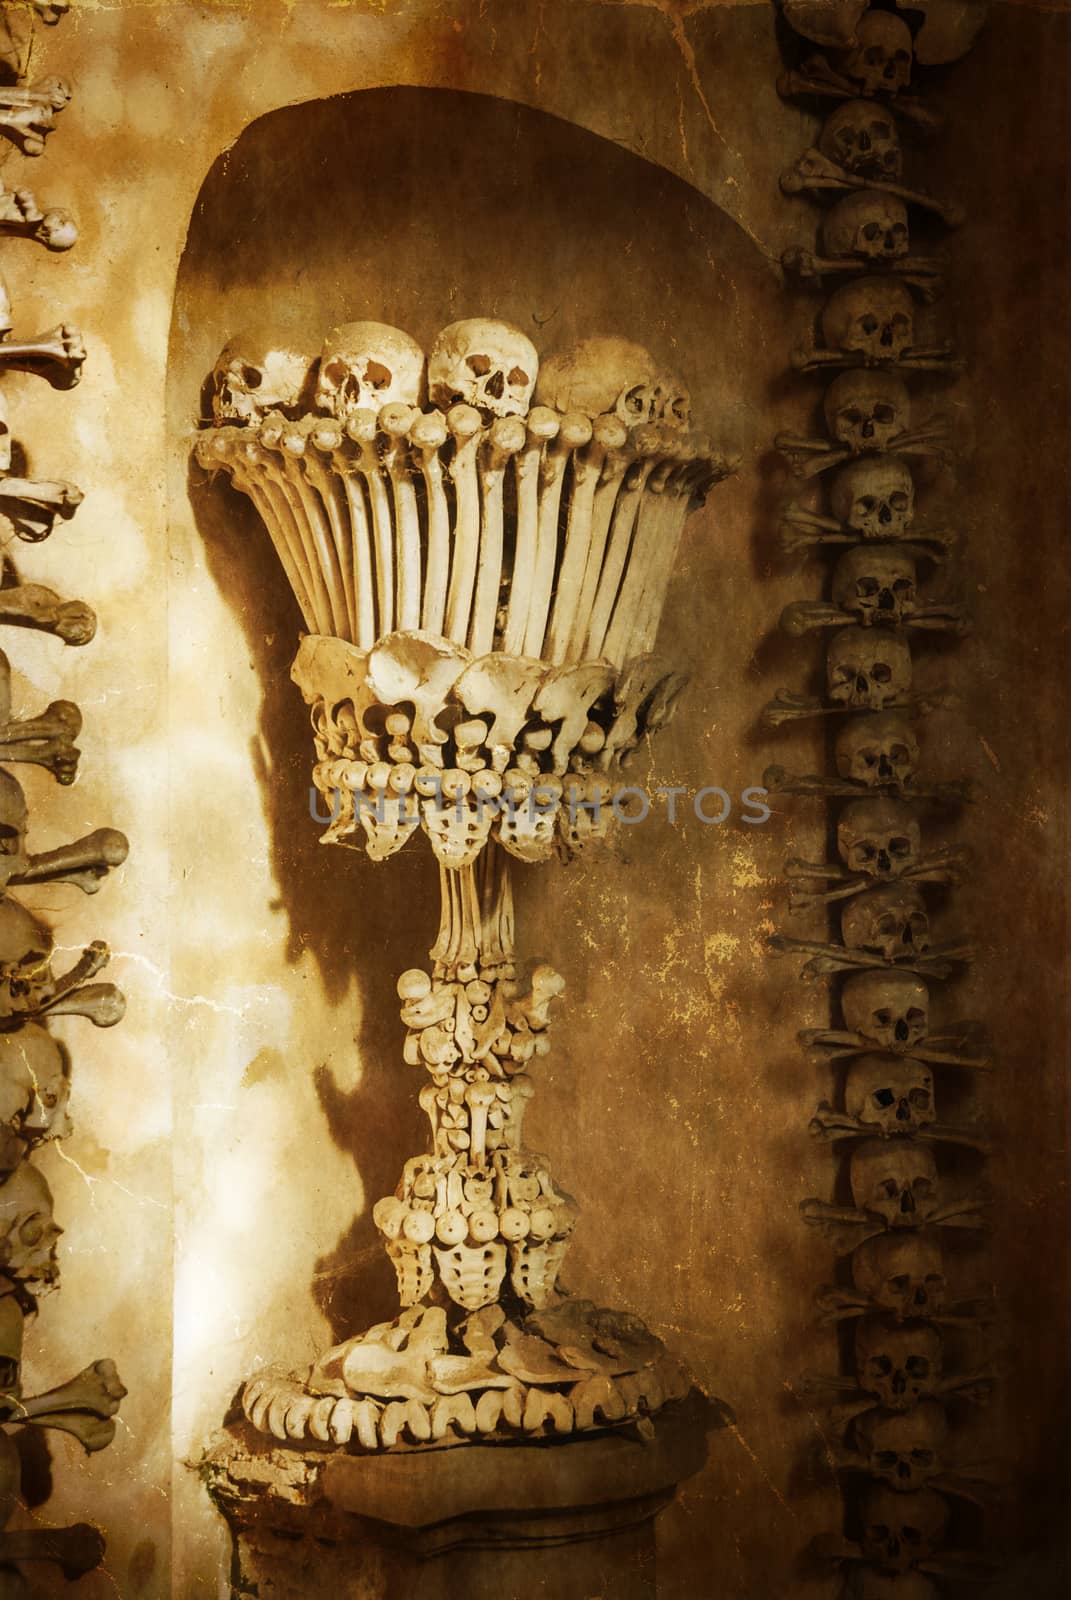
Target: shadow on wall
(471,206)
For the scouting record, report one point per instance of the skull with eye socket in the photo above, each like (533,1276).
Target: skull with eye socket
(879,838)
(258,372)
(869,225)
(365,366)
(877,750)
(890,922)
(863,140)
(872,318)
(902,1273)
(491,366)
(606,376)
(866,410)
(867,669)
(897,1364)
(34,1088)
(14,818)
(28,1231)
(878,585)
(888,1009)
(903,1448)
(898,1530)
(896,1180)
(890,1094)
(879,62)
(875,497)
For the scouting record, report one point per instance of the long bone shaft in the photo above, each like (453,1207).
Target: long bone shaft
(47,740)
(507,436)
(282,437)
(929,358)
(574,434)
(816,171)
(427,435)
(29,605)
(258,471)
(650,530)
(820,79)
(84,862)
(395,422)
(542,427)
(345,458)
(685,482)
(323,438)
(831,1043)
(778,780)
(616,464)
(808,457)
(27,117)
(361,429)
(608,433)
(57,356)
(925,274)
(228,450)
(466,428)
(626,509)
(102,1003)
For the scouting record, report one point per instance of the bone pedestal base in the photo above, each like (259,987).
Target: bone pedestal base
(572,1521)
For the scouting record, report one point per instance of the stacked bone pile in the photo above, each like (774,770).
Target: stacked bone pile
(480,547)
(900,1109)
(488,1344)
(34,1066)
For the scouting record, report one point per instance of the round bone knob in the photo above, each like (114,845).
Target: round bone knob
(414,984)
(514,1224)
(419,1227)
(483,1226)
(452,1228)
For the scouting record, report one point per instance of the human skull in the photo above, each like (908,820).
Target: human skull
(890,1009)
(877,750)
(869,225)
(14,819)
(879,838)
(256,373)
(949,28)
(867,669)
(872,317)
(34,1086)
(898,1365)
(365,366)
(877,585)
(489,365)
(28,1232)
(866,410)
(899,1531)
(902,1273)
(25,956)
(863,140)
(904,1448)
(609,376)
(875,497)
(889,921)
(867,1583)
(895,1179)
(890,1094)
(880,59)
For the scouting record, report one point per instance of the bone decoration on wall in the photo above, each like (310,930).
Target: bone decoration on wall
(36,1094)
(906,1211)
(480,545)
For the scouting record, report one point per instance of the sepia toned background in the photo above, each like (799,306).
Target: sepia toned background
(574,166)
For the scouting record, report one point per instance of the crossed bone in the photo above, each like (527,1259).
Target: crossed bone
(27,116)
(29,605)
(817,172)
(966,1047)
(803,616)
(21,217)
(84,862)
(788,706)
(959,791)
(85,1406)
(45,741)
(947,865)
(925,274)
(31,508)
(829,1125)
(851,1400)
(820,78)
(808,457)
(72,994)
(57,356)
(827,959)
(802,529)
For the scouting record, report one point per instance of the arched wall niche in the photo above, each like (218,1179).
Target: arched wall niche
(416,207)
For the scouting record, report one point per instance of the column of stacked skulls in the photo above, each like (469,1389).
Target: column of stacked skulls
(480,544)
(35,1070)
(908,1367)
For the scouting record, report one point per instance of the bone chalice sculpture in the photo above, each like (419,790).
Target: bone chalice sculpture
(482,582)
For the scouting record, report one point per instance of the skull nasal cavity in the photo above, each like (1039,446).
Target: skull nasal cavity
(901,1029)
(496,386)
